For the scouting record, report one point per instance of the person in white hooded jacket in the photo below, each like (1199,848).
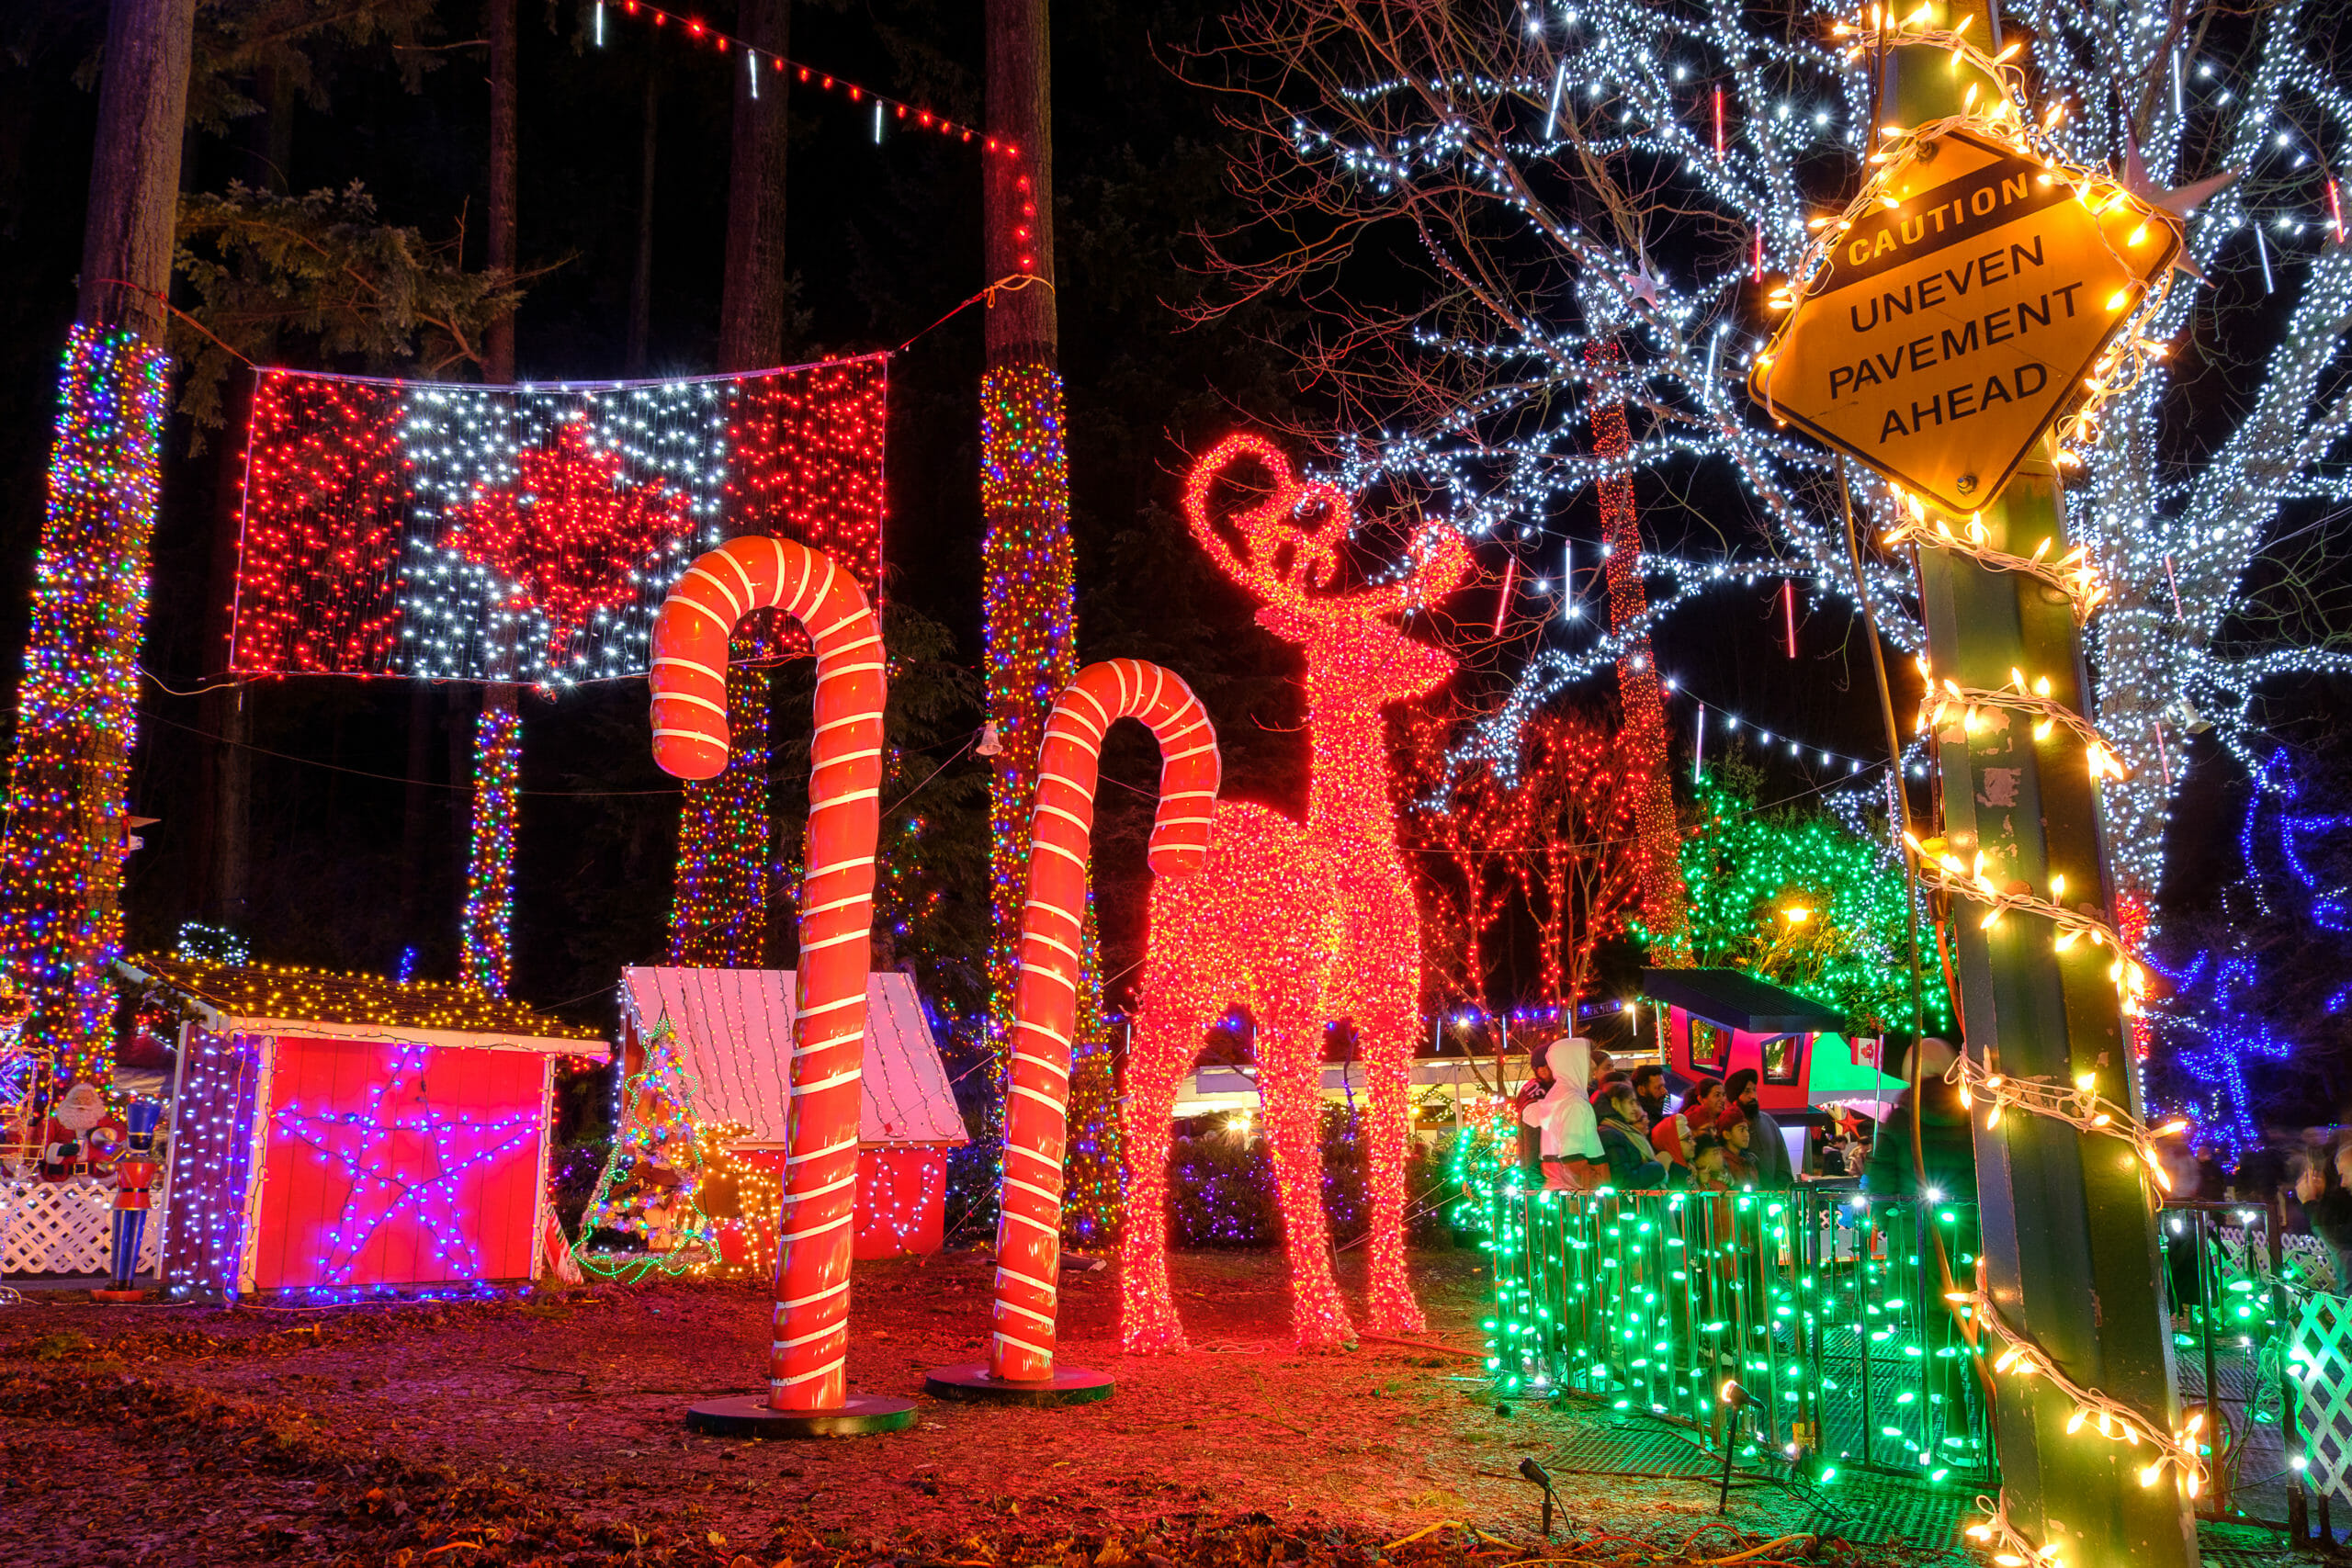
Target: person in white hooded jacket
(1571,1134)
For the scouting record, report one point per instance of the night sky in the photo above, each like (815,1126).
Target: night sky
(883,240)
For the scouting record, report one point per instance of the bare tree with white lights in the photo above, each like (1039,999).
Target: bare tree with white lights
(1468,197)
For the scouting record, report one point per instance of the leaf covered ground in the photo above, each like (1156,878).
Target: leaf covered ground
(549,1430)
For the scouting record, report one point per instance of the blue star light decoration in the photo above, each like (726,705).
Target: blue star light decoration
(406,1160)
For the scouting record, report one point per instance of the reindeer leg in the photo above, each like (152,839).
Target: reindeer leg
(1167,1038)
(1290,1073)
(1387,1025)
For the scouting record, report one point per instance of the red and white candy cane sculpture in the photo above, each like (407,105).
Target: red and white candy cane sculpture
(1028,1250)
(806,1384)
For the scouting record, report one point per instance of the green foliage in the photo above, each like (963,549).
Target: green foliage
(1792,895)
(321,266)
(291,47)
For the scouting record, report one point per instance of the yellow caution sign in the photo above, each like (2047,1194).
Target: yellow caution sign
(1960,315)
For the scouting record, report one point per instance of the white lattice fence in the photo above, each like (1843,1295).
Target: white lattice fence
(65,1227)
(2314,1258)
(2242,1257)
(2320,1361)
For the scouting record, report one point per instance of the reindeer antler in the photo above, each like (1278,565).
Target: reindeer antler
(1295,580)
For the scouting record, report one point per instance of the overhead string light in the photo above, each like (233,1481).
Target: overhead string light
(1495,741)
(907,115)
(1486,416)
(1708,718)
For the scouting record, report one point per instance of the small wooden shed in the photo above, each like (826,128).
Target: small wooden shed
(338,1134)
(1718,1020)
(734,1037)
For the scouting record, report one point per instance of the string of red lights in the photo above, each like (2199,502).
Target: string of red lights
(887,107)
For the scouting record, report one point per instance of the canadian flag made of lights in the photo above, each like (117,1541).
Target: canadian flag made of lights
(529,533)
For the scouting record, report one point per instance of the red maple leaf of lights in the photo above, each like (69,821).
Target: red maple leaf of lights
(570,530)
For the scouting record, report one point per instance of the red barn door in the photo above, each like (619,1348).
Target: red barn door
(393,1164)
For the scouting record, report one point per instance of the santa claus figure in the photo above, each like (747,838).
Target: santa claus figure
(64,1145)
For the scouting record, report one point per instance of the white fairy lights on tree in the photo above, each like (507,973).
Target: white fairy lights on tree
(1647,172)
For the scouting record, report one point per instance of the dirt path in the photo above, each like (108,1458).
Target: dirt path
(551,1431)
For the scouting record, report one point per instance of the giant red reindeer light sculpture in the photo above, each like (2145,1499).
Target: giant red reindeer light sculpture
(1300,923)
(807,1394)
(1020,1367)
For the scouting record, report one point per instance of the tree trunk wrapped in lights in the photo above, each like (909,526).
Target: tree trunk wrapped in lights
(485,922)
(1029,618)
(1658,840)
(488,920)
(726,847)
(77,702)
(719,916)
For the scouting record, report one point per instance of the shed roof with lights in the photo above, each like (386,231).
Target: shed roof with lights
(265,999)
(1713,1023)
(734,1037)
(732,1034)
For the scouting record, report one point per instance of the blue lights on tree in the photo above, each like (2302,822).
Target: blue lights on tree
(2229,999)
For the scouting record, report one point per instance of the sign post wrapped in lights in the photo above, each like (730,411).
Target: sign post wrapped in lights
(1956,394)
(1020,1367)
(807,1385)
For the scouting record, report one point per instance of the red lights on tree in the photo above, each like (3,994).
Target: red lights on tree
(1554,842)
(1299,923)
(1053,934)
(1659,850)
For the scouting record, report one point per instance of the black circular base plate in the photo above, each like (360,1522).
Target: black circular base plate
(751,1415)
(971,1382)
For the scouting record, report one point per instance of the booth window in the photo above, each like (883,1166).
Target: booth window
(1783,1058)
(1707,1041)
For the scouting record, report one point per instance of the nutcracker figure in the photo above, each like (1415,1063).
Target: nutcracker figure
(134,1175)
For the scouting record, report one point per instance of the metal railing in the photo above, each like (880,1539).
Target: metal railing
(1823,1304)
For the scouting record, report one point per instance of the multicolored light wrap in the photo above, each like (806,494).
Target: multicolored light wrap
(689,681)
(1061,830)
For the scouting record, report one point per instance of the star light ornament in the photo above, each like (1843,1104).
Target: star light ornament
(407,1160)
(1648,173)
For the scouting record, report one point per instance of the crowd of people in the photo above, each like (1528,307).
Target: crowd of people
(1585,1123)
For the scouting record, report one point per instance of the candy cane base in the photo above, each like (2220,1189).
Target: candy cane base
(751,1415)
(972,1384)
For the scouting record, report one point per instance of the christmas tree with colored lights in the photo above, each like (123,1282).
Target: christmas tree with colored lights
(652,1185)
